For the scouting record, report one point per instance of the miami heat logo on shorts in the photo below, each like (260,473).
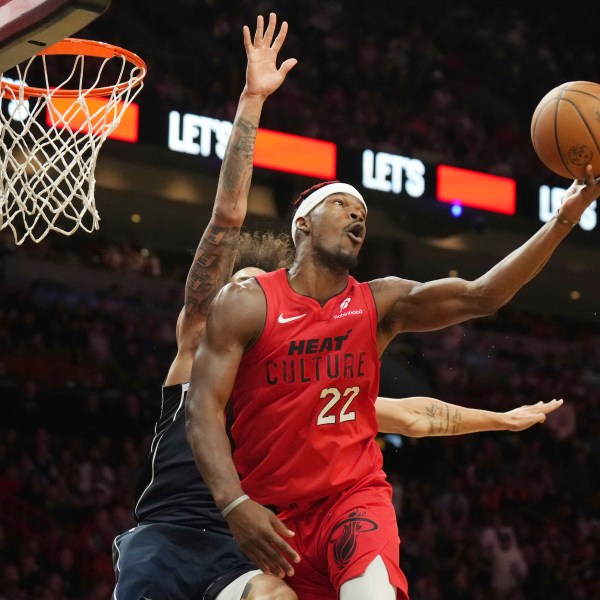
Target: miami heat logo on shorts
(345,533)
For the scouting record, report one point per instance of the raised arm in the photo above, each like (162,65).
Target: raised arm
(420,416)
(215,255)
(412,306)
(235,320)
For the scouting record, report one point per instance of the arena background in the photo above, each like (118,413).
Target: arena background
(87,322)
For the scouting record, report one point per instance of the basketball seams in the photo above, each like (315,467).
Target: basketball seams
(583,92)
(582,116)
(536,117)
(556,139)
(541,108)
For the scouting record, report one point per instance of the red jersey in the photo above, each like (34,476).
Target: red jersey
(304,421)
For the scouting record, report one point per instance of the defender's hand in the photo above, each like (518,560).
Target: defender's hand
(262,75)
(525,416)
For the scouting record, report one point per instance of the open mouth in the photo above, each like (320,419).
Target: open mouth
(356,232)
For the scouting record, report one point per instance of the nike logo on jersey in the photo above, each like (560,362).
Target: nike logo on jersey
(283,319)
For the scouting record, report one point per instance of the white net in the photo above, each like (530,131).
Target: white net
(50,137)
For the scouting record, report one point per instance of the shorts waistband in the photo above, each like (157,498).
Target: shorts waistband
(295,506)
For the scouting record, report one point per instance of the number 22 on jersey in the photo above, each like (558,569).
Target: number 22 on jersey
(330,414)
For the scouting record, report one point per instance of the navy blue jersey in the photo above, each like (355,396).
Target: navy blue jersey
(182,547)
(171,489)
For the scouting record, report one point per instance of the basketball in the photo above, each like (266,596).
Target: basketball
(565,129)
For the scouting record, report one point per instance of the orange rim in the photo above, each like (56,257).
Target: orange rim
(74,46)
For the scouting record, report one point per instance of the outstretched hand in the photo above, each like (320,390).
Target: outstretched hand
(262,75)
(525,416)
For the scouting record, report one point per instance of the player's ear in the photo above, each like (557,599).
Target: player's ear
(303,224)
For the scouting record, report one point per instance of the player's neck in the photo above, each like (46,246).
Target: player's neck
(317,281)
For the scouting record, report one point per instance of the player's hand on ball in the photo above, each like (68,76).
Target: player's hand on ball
(260,534)
(579,196)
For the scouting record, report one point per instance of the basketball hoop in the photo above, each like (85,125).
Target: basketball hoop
(51,133)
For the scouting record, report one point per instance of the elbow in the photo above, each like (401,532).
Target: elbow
(485,299)
(201,419)
(231,218)
(416,430)
(485,305)
(418,433)
(404,428)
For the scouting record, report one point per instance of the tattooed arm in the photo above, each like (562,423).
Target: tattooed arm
(422,417)
(215,255)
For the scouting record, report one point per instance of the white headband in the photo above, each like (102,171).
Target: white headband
(314,199)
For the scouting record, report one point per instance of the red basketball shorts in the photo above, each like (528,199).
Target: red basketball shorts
(339,536)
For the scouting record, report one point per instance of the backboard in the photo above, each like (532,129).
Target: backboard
(28,26)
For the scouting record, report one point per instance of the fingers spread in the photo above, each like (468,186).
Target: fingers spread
(288,65)
(276,559)
(247,39)
(280,37)
(270,30)
(258,34)
(281,528)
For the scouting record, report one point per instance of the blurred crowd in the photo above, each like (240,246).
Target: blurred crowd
(457,84)
(501,516)
(80,377)
(508,516)
(119,256)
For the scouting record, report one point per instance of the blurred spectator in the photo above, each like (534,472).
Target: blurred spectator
(508,566)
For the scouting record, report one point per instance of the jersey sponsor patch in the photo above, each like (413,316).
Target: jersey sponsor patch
(346,313)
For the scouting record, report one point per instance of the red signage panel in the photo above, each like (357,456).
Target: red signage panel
(476,190)
(295,154)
